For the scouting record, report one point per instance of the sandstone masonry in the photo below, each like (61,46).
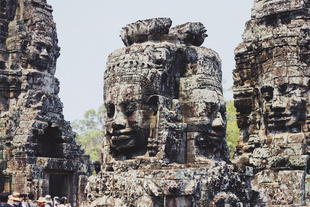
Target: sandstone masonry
(271,91)
(38,152)
(165,120)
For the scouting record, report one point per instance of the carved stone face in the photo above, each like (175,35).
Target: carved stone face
(213,131)
(213,126)
(284,104)
(206,120)
(42,53)
(128,119)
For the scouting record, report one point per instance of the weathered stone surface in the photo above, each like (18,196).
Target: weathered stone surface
(37,145)
(165,141)
(190,33)
(159,93)
(146,30)
(271,91)
(193,186)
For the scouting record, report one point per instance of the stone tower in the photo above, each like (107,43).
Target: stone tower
(272,97)
(165,119)
(38,152)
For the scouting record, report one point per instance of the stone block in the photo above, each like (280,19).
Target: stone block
(179,187)
(261,153)
(180,174)
(292,179)
(175,201)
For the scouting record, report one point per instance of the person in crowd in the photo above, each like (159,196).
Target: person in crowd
(4,197)
(66,201)
(56,201)
(62,202)
(49,202)
(41,202)
(15,200)
(30,201)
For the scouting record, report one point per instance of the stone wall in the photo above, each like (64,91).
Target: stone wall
(271,91)
(37,146)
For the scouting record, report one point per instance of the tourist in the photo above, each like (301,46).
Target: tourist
(62,202)
(14,200)
(66,201)
(4,198)
(56,201)
(41,202)
(30,202)
(49,202)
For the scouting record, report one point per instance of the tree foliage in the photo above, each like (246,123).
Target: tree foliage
(90,131)
(232,131)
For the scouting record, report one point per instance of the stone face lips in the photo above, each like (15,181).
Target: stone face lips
(271,91)
(38,152)
(165,122)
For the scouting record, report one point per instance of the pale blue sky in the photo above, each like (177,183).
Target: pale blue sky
(88,31)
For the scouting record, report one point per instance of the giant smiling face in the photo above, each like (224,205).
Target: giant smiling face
(284,101)
(127,118)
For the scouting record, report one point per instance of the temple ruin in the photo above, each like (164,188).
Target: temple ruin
(166,114)
(271,91)
(165,121)
(38,152)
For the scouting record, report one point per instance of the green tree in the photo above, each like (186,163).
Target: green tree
(90,131)
(232,131)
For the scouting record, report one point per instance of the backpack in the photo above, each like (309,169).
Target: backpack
(19,204)
(31,204)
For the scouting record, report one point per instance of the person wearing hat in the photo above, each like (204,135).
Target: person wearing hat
(41,202)
(15,200)
(49,202)
(56,201)
(4,197)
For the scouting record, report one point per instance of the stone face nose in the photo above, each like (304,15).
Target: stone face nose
(218,122)
(119,121)
(278,103)
(118,125)
(44,53)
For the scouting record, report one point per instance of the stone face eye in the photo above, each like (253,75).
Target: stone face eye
(110,109)
(267,93)
(128,108)
(39,48)
(283,88)
(267,96)
(49,48)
